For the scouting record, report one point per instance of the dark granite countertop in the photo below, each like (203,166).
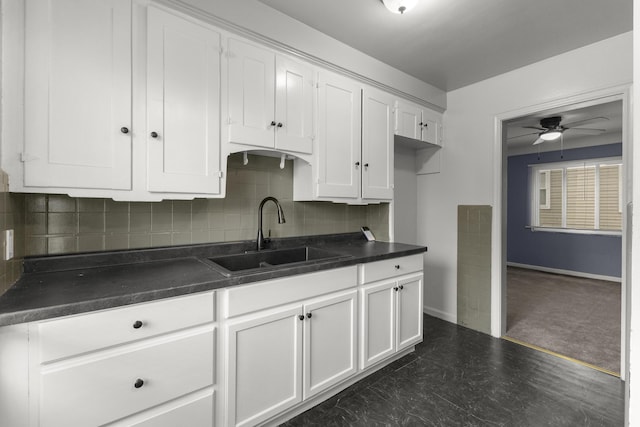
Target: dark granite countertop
(53,286)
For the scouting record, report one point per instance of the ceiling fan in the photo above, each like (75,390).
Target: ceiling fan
(551,128)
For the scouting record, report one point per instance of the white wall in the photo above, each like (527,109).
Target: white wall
(405,207)
(467,163)
(254,16)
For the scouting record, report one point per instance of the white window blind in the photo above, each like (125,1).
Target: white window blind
(581,197)
(610,197)
(578,195)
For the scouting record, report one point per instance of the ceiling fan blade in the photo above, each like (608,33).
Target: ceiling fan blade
(587,131)
(538,141)
(533,127)
(525,134)
(582,122)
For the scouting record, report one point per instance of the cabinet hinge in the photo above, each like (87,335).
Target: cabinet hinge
(220,174)
(229,121)
(221,49)
(26,157)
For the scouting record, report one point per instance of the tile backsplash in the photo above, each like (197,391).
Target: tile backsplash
(56,224)
(11,218)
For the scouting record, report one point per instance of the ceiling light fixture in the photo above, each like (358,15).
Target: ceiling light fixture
(551,135)
(399,6)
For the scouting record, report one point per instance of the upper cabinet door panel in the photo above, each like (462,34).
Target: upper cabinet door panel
(251,94)
(339,131)
(430,128)
(78,94)
(408,119)
(183,105)
(377,145)
(294,106)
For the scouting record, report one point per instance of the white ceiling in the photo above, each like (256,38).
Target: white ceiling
(454,43)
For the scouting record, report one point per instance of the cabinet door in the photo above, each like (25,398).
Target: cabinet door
(408,119)
(377,323)
(183,105)
(294,106)
(251,85)
(377,145)
(430,127)
(409,312)
(78,94)
(339,132)
(329,342)
(264,365)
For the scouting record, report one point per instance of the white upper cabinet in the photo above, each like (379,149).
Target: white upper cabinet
(120,101)
(78,94)
(294,106)
(354,147)
(270,100)
(377,144)
(339,136)
(183,105)
(416,122)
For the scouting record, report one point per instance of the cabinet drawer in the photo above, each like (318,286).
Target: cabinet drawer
(102,388)
(196,410)
(258,296)
(82,333)
(393,267)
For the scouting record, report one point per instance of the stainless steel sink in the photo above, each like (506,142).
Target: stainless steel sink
(249,262)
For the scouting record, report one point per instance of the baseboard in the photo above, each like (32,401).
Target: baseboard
(440,314)
(565,272)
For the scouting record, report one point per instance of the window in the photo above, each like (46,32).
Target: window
(578,196)
(545,195)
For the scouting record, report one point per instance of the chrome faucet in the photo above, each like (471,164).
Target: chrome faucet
(260,240)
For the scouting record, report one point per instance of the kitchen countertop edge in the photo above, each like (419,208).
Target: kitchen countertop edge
(33,298)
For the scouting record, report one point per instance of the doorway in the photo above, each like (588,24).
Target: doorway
(558,252)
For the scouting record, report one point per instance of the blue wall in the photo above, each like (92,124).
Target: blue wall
(595,254)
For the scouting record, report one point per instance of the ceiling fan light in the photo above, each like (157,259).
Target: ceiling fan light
(399,6)
(550,135)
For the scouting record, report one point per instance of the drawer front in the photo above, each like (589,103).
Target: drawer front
(98,390)
(394,267)
(196,410)
(262,295)
(82,333)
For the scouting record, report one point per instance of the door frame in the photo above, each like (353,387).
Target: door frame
(499,226)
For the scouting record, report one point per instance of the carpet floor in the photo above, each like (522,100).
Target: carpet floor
(572,316)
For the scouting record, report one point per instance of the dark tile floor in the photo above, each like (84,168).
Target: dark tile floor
(460,377)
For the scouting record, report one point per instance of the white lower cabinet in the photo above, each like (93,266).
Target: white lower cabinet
(264,365)
(150,381)
(330,343)
(279,357)
(391,314)
(280,346)
(197,411)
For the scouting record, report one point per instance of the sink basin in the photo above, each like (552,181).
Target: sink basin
(270,259)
